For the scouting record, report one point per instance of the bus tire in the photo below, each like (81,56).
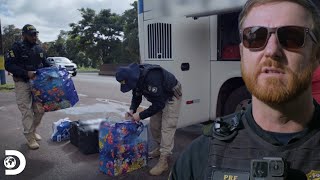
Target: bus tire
(237,100)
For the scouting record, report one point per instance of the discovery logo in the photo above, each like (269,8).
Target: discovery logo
(10,162)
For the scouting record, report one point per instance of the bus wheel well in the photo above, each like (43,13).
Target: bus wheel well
(225,91)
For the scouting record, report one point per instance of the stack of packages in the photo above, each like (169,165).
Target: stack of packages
(123,147)
(53,89)
(84,134)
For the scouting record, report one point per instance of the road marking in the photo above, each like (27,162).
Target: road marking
(82,95)
(114,101)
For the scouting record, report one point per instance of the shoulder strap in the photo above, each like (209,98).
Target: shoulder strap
(144,70)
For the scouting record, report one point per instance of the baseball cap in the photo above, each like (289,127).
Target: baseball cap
(128,76)
(29,29)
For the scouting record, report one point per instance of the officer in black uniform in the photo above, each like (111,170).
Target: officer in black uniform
(278,135)
(163,90)
(22,60)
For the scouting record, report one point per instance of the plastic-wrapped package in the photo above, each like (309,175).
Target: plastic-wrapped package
(123,147)
(53,89)
(61,130)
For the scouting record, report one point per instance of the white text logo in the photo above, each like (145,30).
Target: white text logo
(10,162)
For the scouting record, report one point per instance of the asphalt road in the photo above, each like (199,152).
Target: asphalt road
(63,160)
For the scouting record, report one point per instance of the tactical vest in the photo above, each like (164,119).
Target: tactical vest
(234,144)
(169,80)
(30,57)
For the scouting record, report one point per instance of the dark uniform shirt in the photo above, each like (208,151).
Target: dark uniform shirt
(153,90)
(24,57)
(193,163)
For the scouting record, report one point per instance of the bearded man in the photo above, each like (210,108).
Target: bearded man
(278,135)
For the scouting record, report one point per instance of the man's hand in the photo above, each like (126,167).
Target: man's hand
(128,115)
(31,74)
(136,117)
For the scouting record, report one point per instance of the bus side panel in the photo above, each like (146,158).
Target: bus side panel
(190,45)
(148,9)
(213,37)
(221,71)
(141,27)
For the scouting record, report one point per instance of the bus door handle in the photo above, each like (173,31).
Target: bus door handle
(185,66)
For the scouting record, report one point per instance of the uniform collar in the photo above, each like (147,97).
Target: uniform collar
(314,124)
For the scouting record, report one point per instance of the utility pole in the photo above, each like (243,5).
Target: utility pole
(2,70)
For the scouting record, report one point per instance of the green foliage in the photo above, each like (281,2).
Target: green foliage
(58,47)
(87,69)
(131,40)
(98,38)
(9,36)
(99,35)
(6,87)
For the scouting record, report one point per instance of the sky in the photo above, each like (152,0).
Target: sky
(51,16)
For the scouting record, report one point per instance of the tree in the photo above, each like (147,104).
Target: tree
(131,40)
(99,35)
(57,47)
(10,35)
(60,44)
(49,48)
(78,57)
(84,32)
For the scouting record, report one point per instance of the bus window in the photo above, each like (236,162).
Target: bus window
(228,37)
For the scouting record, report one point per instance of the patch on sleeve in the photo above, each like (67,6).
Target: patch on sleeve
(313,175)
(41,55)
(152,89)
(11,54)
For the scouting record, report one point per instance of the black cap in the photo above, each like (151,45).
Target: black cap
(128,77)
(29,29)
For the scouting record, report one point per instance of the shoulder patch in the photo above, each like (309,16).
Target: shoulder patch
(152,89)
(313,175)
(11,54)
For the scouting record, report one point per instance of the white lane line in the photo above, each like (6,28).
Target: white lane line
(82,95)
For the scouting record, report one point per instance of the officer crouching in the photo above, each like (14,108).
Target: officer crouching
(163,90)
(22,60)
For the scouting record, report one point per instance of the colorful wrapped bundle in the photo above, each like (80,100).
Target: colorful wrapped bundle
(53,89)
(123,147)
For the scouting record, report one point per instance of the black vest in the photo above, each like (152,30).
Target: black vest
(30,57)
(240,143)
(169,80)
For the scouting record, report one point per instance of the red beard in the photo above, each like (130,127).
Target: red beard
(275,91)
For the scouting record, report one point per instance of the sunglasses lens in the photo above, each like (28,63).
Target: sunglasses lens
(254,37)
(291,37)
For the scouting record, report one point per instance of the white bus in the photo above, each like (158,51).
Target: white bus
(197,41)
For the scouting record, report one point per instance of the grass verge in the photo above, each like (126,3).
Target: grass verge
(6,87)
(87,69)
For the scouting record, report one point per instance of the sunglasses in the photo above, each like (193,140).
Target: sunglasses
(290,37)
